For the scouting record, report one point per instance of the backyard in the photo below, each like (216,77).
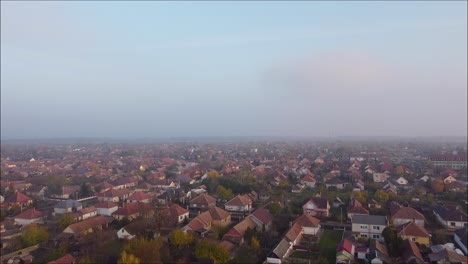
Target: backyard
(324,249)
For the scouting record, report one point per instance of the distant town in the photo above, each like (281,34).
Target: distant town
(250,201)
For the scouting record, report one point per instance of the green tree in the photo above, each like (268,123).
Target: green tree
(33,234)
(179,238)
(206,249)
(66,220)
(359,196)
(145,250)
(213,174)
(381,196)
(224,193)
(392,240)
(85,190)
(58,252)
(274,208)
(128,259)
(255,244)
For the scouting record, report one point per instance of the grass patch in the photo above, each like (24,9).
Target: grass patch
(328,241)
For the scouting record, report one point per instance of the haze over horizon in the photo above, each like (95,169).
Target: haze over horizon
(195,69)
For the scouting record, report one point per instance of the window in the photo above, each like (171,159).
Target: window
(414,239)
(363,227)
(364,235)
(375,236)
(452,223)
(376,227)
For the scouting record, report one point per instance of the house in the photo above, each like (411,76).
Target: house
(308,181)
(103,187)
(317,206)
(336,182)
(303,225)
(263,218)
(29,216)
(380,254)
(37,191)
(450,218)
(239,204)
(379,177)
(368,226)
(202,202)
(449,179)
(236,234)
(203,222)
(130,231)
(414,232)
(18,199)
(358,185)
(345,251)
(86,226)
(447,255)
(106,208)
(355,208)
(67,206)
(87,212)
(139,197)
(133,210)
(175,214)
(67,259)
(373,204)
(405,215)
(309,224)
(461,238)
(401,181)
(172,195)
(114,195)
(67,192)
(411,253)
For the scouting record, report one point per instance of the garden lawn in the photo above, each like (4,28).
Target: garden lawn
(328,241)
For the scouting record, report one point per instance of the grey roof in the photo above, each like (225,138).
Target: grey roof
(370,219)
(68,204)
(462,235)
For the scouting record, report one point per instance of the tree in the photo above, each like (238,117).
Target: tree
(146,250)
(381,196)
(360,197)
(85,190)
(399,170)
(66,220)
(33,234)
(128,259)
(393,243)
(206,249)
(437,186)
(224,193)
(274,208)
(213,174)
(255,244)
(179,238)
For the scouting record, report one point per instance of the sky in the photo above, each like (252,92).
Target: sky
(170,69)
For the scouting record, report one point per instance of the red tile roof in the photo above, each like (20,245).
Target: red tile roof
(411,229)
(263,215)
(407,213)
(345,245)
(105,205)
(203,199)
(239,200)
(87,224)
(139,196)
(30,214)
(18,198)
(67,259)
(306,220)
(133,208)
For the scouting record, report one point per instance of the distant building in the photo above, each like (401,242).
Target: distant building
(449,161)
(368,226)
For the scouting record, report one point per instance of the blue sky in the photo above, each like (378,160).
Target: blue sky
(158,69)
